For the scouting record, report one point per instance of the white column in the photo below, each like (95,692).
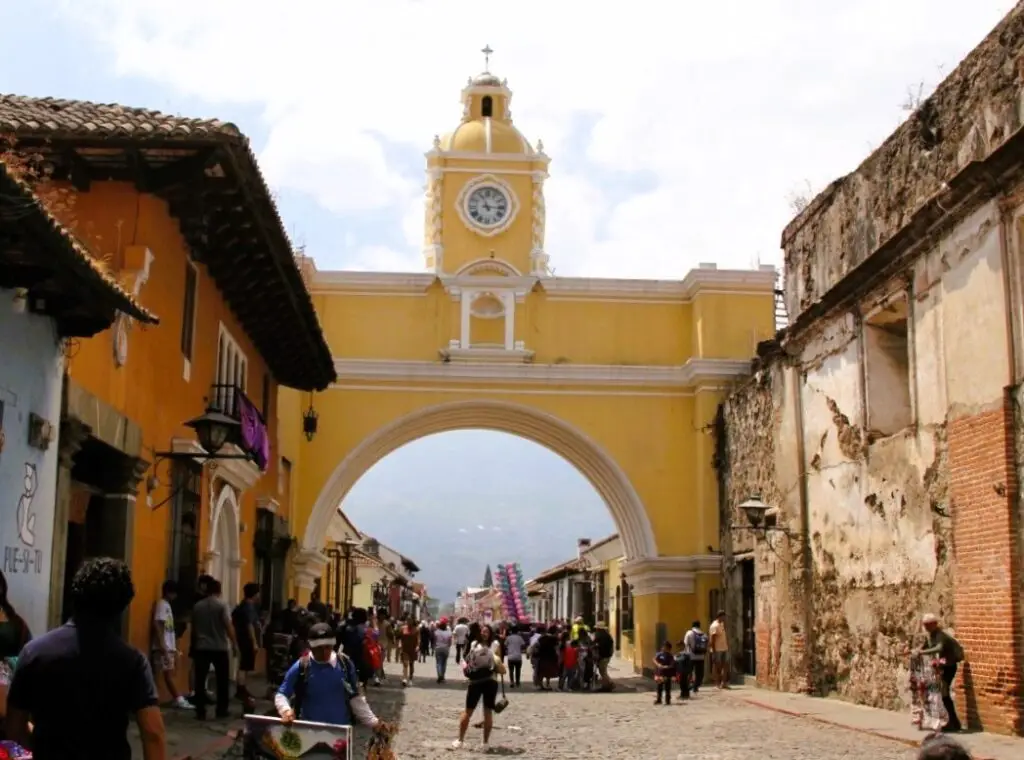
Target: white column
(509,300)
(466,301)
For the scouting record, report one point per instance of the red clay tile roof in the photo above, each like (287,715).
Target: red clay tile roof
(68,250)
(558,571)
(52,119)
(21,114)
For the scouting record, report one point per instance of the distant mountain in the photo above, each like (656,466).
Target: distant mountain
(458,502)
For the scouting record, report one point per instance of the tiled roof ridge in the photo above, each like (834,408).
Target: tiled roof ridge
(128,302)
(85,117)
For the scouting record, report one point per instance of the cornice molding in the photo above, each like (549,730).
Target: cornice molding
(669,575)
(706,279)
(375,283)
(455,286)
(694,373)
(435,156)
(309,566)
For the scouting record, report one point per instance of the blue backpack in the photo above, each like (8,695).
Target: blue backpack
(302,685)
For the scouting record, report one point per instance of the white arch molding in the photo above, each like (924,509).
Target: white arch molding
(224,550)
(593,462)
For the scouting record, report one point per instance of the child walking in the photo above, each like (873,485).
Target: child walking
(664,669)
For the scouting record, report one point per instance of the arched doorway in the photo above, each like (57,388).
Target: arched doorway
(223,557)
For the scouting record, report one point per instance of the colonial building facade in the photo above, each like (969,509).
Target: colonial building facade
(177,209)
(488,337)
(878,444)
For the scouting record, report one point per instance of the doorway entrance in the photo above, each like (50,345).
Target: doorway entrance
(748,610)
(100,515)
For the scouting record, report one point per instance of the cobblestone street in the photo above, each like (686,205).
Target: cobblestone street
(736,725)
(624,724)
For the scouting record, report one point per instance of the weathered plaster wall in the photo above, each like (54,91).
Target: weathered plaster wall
(879,507)
(31,372)
(975,109)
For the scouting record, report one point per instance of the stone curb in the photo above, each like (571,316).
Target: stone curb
(837,724)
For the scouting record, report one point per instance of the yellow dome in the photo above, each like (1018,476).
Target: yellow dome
(486,136)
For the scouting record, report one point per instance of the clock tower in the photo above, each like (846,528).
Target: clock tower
(485,190)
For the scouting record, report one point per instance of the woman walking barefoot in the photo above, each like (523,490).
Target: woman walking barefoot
(482,667)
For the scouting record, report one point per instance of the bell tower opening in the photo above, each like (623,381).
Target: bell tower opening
(487,107)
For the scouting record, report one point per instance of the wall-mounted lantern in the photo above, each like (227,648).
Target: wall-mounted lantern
(213,430)
(310,420)
(760,518)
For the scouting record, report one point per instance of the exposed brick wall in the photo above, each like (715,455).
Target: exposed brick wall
(983,490)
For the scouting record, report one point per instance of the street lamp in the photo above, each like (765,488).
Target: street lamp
(347,546)
(760,518)
(755,511)
(213,430)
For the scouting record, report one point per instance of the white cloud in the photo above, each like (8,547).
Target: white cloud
(463,530)
(480,527)
(381,258)
(722,109)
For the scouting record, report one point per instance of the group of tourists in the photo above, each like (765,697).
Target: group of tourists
(71,691)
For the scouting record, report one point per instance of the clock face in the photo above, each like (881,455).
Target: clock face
(487,206)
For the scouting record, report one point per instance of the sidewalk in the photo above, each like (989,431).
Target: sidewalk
(191,739)
(884,723)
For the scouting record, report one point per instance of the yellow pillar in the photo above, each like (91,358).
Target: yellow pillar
(666,599)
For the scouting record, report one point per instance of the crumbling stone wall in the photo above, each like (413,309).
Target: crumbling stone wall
(972,112)
(748,427)
(873,507)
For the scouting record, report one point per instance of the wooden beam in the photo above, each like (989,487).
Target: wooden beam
(181,172)
(78,170)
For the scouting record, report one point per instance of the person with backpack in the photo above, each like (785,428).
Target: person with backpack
(695,645)
(950,654)
(482,667)
(322,686)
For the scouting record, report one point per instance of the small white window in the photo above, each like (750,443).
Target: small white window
(886,336)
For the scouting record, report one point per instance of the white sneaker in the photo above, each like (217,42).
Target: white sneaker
(404,683)
(457,744)
(183,703)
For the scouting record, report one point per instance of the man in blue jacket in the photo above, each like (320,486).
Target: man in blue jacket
(322,686)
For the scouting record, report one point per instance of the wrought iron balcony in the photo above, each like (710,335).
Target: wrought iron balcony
(252,435)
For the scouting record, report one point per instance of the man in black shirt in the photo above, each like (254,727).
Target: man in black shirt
(79,684)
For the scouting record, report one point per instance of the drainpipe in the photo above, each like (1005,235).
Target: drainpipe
(1012,293)
(807,556)
(1014,299)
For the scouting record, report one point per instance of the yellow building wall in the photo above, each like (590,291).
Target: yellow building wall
(150,389)
(660,437)
(649,436)
(730,325)
(606,332)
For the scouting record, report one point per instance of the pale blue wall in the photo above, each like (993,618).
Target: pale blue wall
(31,368)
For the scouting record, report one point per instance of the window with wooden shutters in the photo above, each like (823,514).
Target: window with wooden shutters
(183,557)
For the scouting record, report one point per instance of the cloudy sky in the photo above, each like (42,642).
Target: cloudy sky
(679,131)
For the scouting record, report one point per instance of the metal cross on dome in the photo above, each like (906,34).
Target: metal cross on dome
(487,57)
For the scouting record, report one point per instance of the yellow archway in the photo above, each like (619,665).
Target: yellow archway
(565,440)
(622,378)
